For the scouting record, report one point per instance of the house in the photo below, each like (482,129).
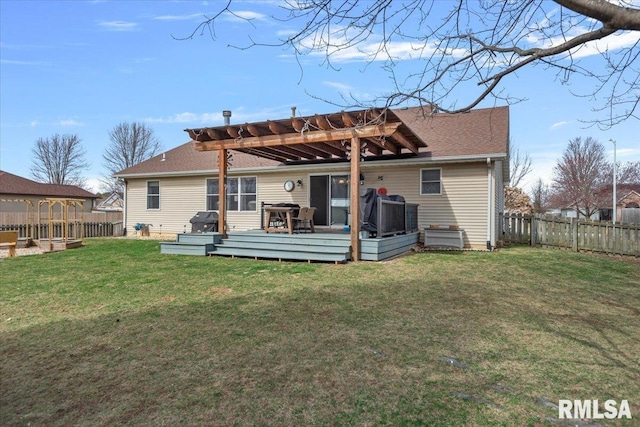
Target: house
(453,166)
(627,206)
(17,193)
(114,202)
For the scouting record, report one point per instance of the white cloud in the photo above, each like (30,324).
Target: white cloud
(69,122)
(243,15)
(185,117)
(187,17)
(93,184)
(374,51)
(239,115)
(14,62)
(340,86)
(558,125)
(119,25)
(613,42)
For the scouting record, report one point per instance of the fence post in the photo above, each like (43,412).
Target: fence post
(533,235)
(574,234)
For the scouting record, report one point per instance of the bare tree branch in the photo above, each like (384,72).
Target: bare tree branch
(131,143)
(520,166)
(59,159)
(579,176)
(464,50)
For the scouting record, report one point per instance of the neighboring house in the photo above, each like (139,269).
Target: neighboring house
(114,202)
(453,166)
(628,205)
(627,209)
(14,189)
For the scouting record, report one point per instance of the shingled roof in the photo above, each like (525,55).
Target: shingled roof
(481,132)
(15,185)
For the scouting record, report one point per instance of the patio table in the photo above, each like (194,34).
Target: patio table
(284,213)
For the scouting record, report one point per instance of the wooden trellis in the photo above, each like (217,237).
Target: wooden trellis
(66,227)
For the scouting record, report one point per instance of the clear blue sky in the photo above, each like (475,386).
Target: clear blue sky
(82,67)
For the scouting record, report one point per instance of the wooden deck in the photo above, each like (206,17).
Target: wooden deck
(328,246)
(56,245)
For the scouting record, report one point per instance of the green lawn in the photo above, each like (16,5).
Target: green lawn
(115,333)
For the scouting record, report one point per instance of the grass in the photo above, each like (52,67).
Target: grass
(115,333)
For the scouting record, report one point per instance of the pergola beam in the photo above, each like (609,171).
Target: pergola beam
(310,137)
(267,153)
(400,139)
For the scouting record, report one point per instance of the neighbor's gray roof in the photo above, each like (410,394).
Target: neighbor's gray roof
(16,185)
(476,133)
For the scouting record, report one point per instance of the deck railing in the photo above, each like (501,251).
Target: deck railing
(396,217)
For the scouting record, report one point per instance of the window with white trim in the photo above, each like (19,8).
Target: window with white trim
(241,194)
(430,181)
(153,194)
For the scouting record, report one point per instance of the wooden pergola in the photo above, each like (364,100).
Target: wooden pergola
(344,135)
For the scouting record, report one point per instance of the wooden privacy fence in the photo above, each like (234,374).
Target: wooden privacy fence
(89,229)
(572,233)
(94,224)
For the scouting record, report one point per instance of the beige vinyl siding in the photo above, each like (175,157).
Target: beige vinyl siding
(180,199)
(463,200)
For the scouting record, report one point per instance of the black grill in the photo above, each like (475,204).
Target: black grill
(204,222)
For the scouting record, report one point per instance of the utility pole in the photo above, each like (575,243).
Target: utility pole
(615,196)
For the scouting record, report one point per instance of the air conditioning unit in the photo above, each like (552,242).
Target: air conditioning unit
(443,237)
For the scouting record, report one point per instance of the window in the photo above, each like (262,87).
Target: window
(241,194)
(430,181)
(153,194)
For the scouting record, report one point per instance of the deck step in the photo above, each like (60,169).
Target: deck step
(214,238)
(280,255)
(284,247)
(186,248)
(310,247)
(298,239)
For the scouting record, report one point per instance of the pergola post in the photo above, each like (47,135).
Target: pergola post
(222,192)
(355,198)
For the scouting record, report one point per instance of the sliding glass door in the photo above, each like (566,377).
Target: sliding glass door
(329,194)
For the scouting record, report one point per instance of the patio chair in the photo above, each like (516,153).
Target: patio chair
(304,219)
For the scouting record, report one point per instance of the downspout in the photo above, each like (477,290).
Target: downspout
(124,209)
(489,195)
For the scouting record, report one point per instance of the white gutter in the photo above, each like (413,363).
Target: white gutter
(322,166)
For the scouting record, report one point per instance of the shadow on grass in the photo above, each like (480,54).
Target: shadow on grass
(306,357)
